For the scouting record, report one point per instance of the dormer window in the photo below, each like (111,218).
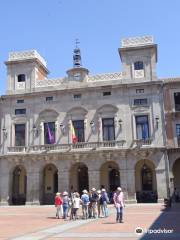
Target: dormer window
(138,65)
(21,78)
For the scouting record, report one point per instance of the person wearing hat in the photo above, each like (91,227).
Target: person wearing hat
(103,202)
(58,205)
(85,204)
(119,204)
(94,200)
(66,200)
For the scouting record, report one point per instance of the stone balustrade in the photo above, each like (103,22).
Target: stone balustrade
(23,55)
(90,78)
(140,142)
(68,147)
(137,41)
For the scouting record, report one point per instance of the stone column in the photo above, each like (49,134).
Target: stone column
(94,179)
(33,188)
(99,126)
(42,133)
(63,180)
(161,184)
(128,185)
(4,187)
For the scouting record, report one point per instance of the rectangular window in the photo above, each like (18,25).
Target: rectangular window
(20,101)
(108,129)
(21,78)
(138,65)
(77,96)
(20,111)
(141,101)
(79,130)
(177,101)
(20,134)
(142,127)
(106,93)
(178,130)
(49,133)
(48,99)
(140,90)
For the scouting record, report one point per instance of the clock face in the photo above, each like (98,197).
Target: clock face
(77,76)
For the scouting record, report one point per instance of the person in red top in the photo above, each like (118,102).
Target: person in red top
(58,205)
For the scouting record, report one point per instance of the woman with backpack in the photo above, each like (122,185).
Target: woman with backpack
(66,200)
(85,204)
(104,202)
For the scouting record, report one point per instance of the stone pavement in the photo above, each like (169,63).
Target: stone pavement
(39,222)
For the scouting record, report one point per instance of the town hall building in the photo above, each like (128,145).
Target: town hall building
(82,131)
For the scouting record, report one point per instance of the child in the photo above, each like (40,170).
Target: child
(58,205)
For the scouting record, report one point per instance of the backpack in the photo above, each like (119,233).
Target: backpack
(85,199)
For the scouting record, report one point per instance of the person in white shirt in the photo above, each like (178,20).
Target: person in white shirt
(76,205)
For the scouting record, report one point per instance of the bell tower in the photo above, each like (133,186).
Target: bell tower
(77,73)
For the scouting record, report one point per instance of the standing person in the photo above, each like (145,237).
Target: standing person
(65,204)
(85,203)
(104,202)
(94,199)
(58,205)
(119,204)
(99,203)
(75,205)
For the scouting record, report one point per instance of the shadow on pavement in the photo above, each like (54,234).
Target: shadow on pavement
(166,226)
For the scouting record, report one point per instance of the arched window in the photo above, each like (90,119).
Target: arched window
(147,178)
(138,65)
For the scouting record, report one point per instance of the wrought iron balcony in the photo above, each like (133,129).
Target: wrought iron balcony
(68,147)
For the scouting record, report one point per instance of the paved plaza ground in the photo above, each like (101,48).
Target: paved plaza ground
(39,222)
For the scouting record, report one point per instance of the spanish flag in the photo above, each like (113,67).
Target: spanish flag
(73,134)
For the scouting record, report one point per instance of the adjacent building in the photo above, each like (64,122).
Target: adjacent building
(83,131)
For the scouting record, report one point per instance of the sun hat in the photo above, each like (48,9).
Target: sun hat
(84,191)
(93,189)
(65,193)
(58,194)
(103,190)
(98,191)
(119,189)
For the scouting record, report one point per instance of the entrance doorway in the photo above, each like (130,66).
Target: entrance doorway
(176,174)
(145,182)
(50,183)
(19,185)
(79,179)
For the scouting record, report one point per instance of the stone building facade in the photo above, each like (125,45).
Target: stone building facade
(118,120)
(172,122)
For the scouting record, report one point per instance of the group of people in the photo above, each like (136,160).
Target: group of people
(94,204)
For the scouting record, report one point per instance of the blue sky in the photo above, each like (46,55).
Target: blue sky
(51,27)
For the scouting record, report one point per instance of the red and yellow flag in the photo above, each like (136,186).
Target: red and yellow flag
(73,134)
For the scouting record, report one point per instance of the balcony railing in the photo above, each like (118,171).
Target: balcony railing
(68,147)
(140,142)
(17,149)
